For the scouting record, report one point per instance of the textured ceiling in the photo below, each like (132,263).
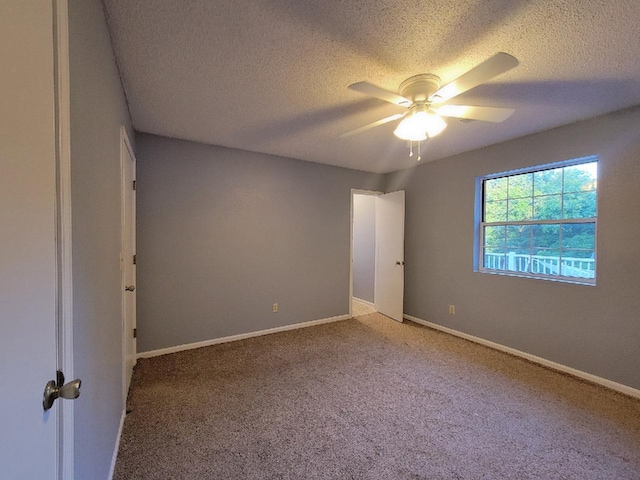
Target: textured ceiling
(271,75)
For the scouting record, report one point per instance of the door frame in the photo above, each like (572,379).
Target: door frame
(64,265)
(125,148)
(356,191)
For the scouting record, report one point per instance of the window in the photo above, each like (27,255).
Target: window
(541,221)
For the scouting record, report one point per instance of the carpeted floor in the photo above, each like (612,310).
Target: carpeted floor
(359,307)
(370,398)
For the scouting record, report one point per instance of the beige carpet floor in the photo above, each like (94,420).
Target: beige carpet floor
(359,308)
(370,398)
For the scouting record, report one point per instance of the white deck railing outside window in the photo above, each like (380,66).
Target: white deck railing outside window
(541,264)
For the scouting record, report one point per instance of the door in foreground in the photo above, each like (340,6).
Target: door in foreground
(28,299)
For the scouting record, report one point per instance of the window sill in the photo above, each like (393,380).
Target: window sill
(574,281)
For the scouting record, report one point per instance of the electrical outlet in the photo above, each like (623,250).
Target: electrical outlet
(275,308)
(452,309)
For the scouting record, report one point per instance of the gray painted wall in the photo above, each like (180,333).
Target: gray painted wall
(223,234)
(594,329)
(364,246)
(98,109)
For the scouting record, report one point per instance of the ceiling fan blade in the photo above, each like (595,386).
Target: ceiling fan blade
(381,93)
(496,65)
(486,114)
(374,124)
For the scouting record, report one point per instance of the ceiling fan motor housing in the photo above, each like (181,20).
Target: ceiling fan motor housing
(419,88)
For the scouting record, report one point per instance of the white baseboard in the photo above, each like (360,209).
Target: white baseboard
(618,387)
(242,336)
(366,302)
(114,457)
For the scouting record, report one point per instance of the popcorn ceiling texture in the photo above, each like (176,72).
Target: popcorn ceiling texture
(272,76)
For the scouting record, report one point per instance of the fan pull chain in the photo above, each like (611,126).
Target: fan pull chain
(410,148)
(419,157)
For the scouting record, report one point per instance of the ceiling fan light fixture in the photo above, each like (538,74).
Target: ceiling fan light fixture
(435,125)
(419,125)
(409,129)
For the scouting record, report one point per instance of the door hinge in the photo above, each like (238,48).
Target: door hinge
(135,333)
(134,184)
(134,259)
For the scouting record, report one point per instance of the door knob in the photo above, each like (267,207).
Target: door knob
(129,288)
(54,390)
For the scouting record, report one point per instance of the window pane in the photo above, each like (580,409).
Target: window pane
(494,236)
(518,236)
(578,263)
(541,222)
(580,205)
(519,260)
(547,208)
(579,235)
(520,209)
(496,211)
(545,261)
(586,255)
(548,182)
(494,258)
(545,236)
(580,178)
(521,185)
(495,189)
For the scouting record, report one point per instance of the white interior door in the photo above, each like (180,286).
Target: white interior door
(389,289)
(128,256)
(28,295)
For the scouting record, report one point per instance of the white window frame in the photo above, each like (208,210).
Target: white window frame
(479,254)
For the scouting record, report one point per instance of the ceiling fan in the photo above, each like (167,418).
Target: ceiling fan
(425,99)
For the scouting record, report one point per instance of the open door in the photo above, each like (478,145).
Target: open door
(128,164)
(389,289)
(30,268)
